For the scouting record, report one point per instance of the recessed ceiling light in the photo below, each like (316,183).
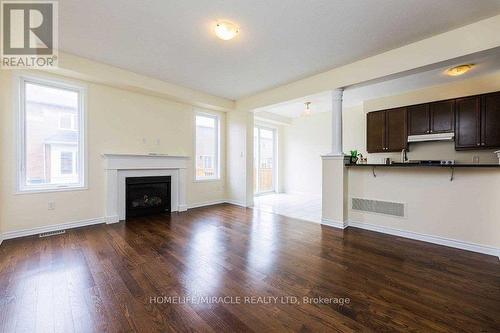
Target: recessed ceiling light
(226,30)
(459,70)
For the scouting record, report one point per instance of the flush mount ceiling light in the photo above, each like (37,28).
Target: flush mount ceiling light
(307,110)
(459,70)
(226,30)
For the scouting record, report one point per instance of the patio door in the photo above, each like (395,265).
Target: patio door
(264,160)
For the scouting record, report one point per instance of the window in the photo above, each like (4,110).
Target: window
(51,135)
(207,147)
(67,121)
(66,163)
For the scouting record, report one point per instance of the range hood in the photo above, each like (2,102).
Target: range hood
(431,137)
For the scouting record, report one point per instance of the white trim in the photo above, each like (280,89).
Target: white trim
(236,203)
(112,219)
(19,106)
(485,249)
(332,157)
(334,223)
(206,203)
(53,227)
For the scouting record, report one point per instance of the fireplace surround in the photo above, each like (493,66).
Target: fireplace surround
(119,167)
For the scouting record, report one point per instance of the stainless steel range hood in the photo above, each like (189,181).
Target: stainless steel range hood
(431,137)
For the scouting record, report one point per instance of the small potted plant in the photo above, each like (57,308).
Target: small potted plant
(354,156)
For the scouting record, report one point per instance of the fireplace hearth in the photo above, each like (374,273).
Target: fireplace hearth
(147,195)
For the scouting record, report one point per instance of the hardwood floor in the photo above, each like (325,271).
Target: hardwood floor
(113,278)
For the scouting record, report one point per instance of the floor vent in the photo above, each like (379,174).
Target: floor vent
(52,233)
(379,207)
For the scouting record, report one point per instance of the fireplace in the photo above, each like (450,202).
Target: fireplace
(147,195)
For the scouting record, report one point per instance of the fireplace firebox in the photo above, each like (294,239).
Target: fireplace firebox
(147,195)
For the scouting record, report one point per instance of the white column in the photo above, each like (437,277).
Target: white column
(337,122)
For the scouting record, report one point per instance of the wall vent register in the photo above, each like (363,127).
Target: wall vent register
(379,207)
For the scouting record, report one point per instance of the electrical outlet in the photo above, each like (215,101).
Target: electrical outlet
(144,141)
(52,206)
(158,142)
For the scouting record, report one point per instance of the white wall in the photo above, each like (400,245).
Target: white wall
(465,209)
(305,140)
(239,157)
(118,120)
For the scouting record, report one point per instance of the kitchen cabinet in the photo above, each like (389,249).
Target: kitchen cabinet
(478,122)
(490,120)
(386,131)
(442,116)
(375,132)
(418,119)
(431,118)
(468,123)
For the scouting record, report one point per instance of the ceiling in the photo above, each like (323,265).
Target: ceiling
(280,40)
(484,63)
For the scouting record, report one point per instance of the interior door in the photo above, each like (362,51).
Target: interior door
(264,160)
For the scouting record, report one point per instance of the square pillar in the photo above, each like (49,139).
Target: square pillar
(334,192)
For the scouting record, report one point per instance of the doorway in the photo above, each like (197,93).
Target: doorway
(264,160)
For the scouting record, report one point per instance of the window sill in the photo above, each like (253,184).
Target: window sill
(207,180)
(49,190)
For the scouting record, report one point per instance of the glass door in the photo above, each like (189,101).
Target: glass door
(264,159)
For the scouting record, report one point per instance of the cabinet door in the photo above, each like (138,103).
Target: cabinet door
(418,119)
(467,123)
(375,132)
(397,138)
(490,121)
(442,116)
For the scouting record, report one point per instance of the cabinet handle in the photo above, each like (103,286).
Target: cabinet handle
(483,144)
(478,144)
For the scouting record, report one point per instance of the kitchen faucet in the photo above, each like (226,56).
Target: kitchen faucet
(404,157)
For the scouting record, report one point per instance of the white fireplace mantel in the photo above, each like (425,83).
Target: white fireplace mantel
(120,166)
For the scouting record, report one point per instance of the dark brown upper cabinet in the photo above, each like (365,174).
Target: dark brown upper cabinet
(490,120)
(442,116)
(478,122)
(375,132)
(418,119)
(468,123)
(386,131)
(431,118)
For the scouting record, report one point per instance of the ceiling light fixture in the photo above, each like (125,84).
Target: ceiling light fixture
(226,30)
(459,70)
(307,110)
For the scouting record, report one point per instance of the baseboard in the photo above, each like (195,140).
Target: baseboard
(206,203)
(112,219)
(237,203)
(458,244)
(334,223)
(49,228)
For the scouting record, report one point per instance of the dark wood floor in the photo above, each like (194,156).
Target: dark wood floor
(106,278)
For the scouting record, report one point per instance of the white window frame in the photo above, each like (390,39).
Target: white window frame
(274,130)
(20,84)
(217,174)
